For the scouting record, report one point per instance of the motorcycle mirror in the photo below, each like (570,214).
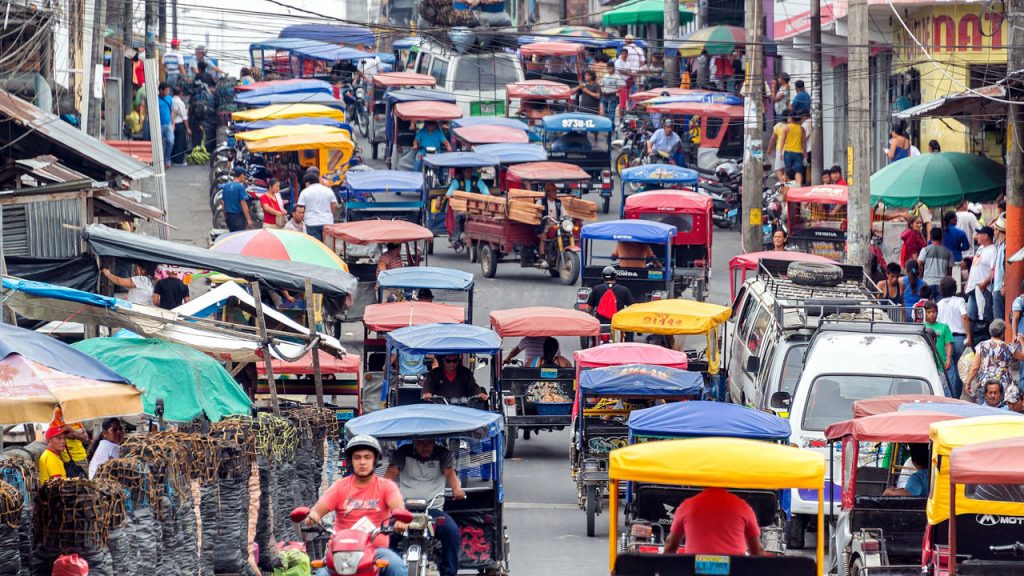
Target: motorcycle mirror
(402,516)
(299,514)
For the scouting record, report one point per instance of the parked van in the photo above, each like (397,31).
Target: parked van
(476,77)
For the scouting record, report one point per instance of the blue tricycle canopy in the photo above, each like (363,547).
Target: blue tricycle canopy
(701,419)
(445,339)
(303,121)
(490,121)
(370,181)
(426,421)
(323,98)
(641,380)
(418,94)
(312,49)
(460,160)
(647,231)
(577,122)
(432,277)
(513,153)
(332,33)
(659,174)
(294,85)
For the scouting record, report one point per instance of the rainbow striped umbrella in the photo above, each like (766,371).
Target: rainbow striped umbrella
(280,245)
(718,40)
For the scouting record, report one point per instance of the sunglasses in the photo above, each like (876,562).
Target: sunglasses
(451,360)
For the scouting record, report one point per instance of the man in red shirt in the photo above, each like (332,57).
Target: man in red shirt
(715,522)
(363,500)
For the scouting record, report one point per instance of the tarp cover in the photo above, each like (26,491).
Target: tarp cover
(461,159)
(542,89)
(659,174)
(997,462)
(426,421)
(287,130)
(79,272)
(261,124)
(619,353)
(106,241)
(513,153)
(190,382)
(333,33)
(285,86)
(641,380)
(295,98)
(552,48)
(431,277)
(699,418)
(909,426)
(384,181)
(883,404)
(54,354)
(544,321)
(445,339)
(630,230)
(830,194)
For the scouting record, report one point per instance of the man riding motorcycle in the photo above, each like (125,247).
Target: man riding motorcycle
(363,501)
(550,217)
(665,140)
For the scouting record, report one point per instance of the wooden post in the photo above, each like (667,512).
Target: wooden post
(318,379)
(261,326)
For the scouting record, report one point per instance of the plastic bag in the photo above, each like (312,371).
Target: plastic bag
(963,368)
(293,563)
(70,565)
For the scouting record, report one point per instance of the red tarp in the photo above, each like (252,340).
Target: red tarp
(995,462)
(394,315)
(543,321)
(907,426)
(553,48)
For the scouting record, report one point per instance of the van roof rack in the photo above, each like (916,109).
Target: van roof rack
(814,312)
(775,275)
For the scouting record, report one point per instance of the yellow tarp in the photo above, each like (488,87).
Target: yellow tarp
(670,317)
(719,462)
(296,142)
(282,111)
(298,129)
(953,433)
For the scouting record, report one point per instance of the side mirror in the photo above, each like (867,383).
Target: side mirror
(753,364)
(299,514)
(483,360)
(403,516)
(781,401)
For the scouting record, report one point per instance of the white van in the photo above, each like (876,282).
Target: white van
(476,78)
(848,361)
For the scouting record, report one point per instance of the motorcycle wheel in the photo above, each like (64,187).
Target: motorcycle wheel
(569,270)
(373,150)
(621,163)
(591,509)
(412,567)
(510,441)
(363,122)
(606,204)
(488,261)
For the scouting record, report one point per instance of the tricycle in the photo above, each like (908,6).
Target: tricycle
(654,177)
(404,110)
(465,137)
(474,439)
(567,138)
(647,277)
(690,213)
(377,195)
(817,220)
(603,401)
(563,61)
(532,100)
(380,85)
(735,463)
(509,155)
(439,170)
(711,133)
(445,284)
(537,396)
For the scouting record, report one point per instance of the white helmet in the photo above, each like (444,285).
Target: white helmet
(363,442)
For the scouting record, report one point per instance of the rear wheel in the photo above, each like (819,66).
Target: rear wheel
(795,529)
(621,162)
(510,441)
(363,122)
(606,204)
(591,509)
(569,267)
(488,261)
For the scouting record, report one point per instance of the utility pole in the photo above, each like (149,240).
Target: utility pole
(151,28)
(753,133)
(99,24)
(817,135)
(1014,155)
(671,33)
(702,14)
(859,131)
(174,18)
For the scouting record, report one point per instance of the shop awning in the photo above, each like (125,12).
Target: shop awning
(972,104)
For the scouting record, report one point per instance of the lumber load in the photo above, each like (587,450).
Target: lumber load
(578,208)
(518,206)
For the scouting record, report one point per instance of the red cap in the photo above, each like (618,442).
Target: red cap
(175,43)
(53,431)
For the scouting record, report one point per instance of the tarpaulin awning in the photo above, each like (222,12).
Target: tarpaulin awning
(970,105)
(106,241)
(378,231)
(699,418)
(674,316)
(910,426)
(543,321)
(830,194)
(445,339)
(281,111)
(997,462)
(883,404)
(552,48)
(641,380)
(394,315)
(618,353)
(189,382)
(647,231)
(426,421)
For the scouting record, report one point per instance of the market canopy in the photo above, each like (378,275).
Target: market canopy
(939,179)
(641,380)
(445,339)
(699,418)
(974,104)
(282,111)
(544,321)
(426,421)
(634,12)
(189,382)
(617,353)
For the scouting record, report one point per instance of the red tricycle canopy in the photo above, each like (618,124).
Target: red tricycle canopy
(830,194)
(543,321)
(488,134)
(378,231)
(427,110)
(538,89)
(909,427)
(394,315)
(621,353)
(749,260)
(547,172)
(405,79)
(552,48)
(670,201)
(994,462)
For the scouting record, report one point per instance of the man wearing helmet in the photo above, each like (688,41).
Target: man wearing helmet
(608,297)
(363,500)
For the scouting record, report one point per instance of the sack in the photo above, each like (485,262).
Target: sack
(963,368)
(609,304)
(70,565)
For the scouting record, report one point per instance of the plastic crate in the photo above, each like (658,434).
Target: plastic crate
(553,408)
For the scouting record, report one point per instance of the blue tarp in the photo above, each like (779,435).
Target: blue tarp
(445,339)
(281,44)
(647,231)
(332,33)
(513,153)
(702,97)
(577,122)
(260,124)
(417,94)
(297,85)
(641,380)
(426,421)
(460,160)
(659,174)
(406,43)
(332,53)
(431,277)
(699,418)
(295,98)
(53,353)
(490,121)
(45,290)
(371,181)
(965,410)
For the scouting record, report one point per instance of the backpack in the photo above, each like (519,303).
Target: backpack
(609,303)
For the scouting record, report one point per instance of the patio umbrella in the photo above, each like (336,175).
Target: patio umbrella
(280,245)
(39,373)
(189,382)
(940,179)
(641,12)
(575,32)
(717,40)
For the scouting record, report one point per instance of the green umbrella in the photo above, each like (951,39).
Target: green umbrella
(190,382)
(939,179)
(641,12)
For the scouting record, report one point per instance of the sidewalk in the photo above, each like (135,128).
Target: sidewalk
(188,204)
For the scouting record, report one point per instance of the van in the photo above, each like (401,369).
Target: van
(846,361)
(476,77)
(775,316)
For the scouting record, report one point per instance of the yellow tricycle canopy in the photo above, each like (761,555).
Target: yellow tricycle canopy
(671,317)
(293,143)
(283,111)
(719,462)
(295,130)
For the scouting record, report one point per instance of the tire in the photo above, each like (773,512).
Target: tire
(474,252)
(488,261)
(363,122)
(856,567)
(569,267)
(510,441)
(412,567)
(606,204)
(373,150)
(621,163)
(814,274)
(795,529)
(591,509)
(526,434)
(220,220)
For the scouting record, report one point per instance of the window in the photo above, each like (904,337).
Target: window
(439,70)
(732,143)
(758,329)
(682,222)
(714,126)
(484,72)
(424,66)
(748,315)
(738,302)
(791,367)
(831,397)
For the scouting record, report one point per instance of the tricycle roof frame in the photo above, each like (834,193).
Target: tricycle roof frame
(619,353)
(994,462)
(909,427)
(418,95)
(698,109)
(674,316)
(484,134)
(490,121)
(886,404)
(427,110)
(390,316)
(378,231)
(543,321)
(824,194)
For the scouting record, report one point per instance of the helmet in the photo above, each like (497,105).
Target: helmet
(608,273)
(363,442)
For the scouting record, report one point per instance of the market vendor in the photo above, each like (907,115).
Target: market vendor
(51,465)
(76,439)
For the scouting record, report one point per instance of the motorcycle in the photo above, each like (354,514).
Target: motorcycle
(355,107)
(632,145)
(724,188)
(253,193)
(350,552)
(419,548)
(559,254)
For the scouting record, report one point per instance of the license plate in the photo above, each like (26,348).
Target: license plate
(709,565)
(731,213)
(549,373)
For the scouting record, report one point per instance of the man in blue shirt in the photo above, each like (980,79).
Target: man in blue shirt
(665,139)
(918,484)
(233,198)
(429,136)
(467,184)
(165,102)
(801,100)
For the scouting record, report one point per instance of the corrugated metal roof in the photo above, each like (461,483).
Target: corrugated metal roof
(49,168)
(128,205)
(71,139)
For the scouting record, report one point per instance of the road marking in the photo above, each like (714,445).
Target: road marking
(539,506)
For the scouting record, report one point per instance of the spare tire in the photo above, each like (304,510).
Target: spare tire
(814,273)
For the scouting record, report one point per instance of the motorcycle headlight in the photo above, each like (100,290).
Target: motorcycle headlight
(567,226)
(360,92)
(346,563)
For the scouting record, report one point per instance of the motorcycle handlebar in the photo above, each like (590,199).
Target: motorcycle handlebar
(1016,549)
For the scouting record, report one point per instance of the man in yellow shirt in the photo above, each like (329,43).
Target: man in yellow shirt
(793,148)
(50,463)
(76,437)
